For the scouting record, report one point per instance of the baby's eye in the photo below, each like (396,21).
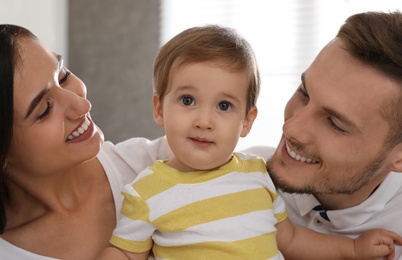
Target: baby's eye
(187,100)
(224,106)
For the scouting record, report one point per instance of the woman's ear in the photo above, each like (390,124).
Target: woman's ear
(248,121)
(158,109)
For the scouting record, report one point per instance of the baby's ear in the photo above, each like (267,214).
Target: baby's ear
(248,121)
(158,109)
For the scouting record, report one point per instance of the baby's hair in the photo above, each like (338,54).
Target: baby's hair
(203,44)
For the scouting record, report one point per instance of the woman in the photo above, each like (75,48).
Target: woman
(58,199)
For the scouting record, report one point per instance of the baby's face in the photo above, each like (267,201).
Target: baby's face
(204,114)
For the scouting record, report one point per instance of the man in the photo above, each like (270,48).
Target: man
(339,161)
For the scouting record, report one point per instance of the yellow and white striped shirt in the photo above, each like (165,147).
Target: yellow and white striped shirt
(228,213)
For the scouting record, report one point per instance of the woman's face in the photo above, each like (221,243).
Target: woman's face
(53,130)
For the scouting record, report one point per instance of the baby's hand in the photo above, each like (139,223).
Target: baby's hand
(376,244)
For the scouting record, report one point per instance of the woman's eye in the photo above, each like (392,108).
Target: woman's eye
(65,73)
(187,101)
(47,111)
(224,106)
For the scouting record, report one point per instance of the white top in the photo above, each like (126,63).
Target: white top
(10,252)
(122,163)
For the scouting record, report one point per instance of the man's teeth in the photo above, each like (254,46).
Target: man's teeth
(299,158)
(80,130)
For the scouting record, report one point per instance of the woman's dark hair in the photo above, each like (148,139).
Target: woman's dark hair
(9,52)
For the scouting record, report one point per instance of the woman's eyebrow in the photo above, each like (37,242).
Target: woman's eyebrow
(41,94)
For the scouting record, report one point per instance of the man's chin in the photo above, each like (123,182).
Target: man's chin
(284,186)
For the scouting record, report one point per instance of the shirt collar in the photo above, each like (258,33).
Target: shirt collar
(359,214)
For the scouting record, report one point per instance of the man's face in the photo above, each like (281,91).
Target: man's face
(334,133)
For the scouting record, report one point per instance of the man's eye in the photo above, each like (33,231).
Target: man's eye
(302,92)
(224,106)
(187,101)
(335,126)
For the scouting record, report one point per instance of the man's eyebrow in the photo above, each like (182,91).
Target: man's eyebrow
(41,94)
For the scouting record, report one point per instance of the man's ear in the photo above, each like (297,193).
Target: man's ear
(248,122)
(158,109)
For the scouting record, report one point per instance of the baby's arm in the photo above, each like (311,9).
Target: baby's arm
(136,224)
(376,241)
(119,254)
(302,243)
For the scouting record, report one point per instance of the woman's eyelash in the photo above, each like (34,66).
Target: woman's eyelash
(46,113)
(64,79)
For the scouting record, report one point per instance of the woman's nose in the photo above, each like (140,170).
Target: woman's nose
(75,96)
(76,104)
